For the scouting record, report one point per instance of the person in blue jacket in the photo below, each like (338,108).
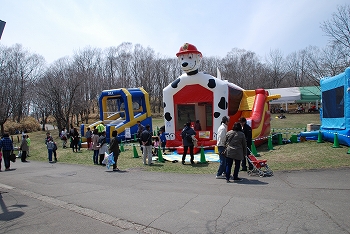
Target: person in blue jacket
(6,145)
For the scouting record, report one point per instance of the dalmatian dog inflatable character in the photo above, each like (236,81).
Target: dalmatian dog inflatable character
(190,59)
(195,88)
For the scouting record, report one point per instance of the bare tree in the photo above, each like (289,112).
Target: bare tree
(277,68)
(338,28)
(85,64)
(59,87)
(6,87)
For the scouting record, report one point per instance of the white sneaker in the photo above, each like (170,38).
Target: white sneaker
(221,177)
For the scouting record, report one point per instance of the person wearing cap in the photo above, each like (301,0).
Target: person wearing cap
(146,140)
(221,138)
(247,130)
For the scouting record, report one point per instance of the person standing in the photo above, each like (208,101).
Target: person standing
(6,145)
(197,126)
(247,130)
(186,134)
(28,143)
(64,138)
(75,139)
(24,148)
(49,145)
(146,140)
(95,146)
(114,147)
(236,149)
(100,128)
(88,136)
(162,139)
(54,151)
(102,143)
(140,129)
(221,138)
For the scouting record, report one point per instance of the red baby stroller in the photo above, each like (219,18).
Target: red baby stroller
(260,166)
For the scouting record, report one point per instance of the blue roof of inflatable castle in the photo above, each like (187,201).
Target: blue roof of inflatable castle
(335,114)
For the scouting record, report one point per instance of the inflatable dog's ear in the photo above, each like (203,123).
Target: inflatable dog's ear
(189,58)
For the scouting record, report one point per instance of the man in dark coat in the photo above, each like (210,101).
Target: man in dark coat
(146,141)
(247,130)
(187,141)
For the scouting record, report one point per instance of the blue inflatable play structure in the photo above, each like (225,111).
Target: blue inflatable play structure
(335,111)
(335,114)
(120,109)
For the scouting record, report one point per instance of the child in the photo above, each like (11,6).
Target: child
(155,146)
(162,139)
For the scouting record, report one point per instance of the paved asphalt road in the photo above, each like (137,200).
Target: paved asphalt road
(38,197)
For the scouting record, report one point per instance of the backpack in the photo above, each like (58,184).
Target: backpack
(50,145)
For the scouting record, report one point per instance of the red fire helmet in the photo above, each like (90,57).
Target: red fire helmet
(188,48)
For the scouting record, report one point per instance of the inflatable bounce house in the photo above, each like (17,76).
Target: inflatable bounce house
(120,109)
(199,96)
(335,114)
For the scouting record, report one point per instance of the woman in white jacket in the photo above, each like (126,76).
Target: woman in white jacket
(221,137)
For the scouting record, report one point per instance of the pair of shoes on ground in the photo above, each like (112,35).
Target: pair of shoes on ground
(116,169)
(220,177)
(7,169)
(244,169)
(51,161)
(25,161)
(235,180)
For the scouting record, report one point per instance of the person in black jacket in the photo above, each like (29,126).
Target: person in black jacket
(146,141)
(247,130)
(114,147)
(187,141)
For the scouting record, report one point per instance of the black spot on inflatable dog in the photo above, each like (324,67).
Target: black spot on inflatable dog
(216,115)
(222,104)
(167,116)
(175,83)
(211,83)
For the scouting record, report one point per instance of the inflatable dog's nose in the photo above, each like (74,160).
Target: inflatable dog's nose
(185,64)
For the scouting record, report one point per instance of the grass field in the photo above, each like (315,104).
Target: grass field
(296,156)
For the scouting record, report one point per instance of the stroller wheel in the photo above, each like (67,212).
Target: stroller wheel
(261,174)
(249,173)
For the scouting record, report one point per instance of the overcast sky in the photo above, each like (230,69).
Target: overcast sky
(58,28)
